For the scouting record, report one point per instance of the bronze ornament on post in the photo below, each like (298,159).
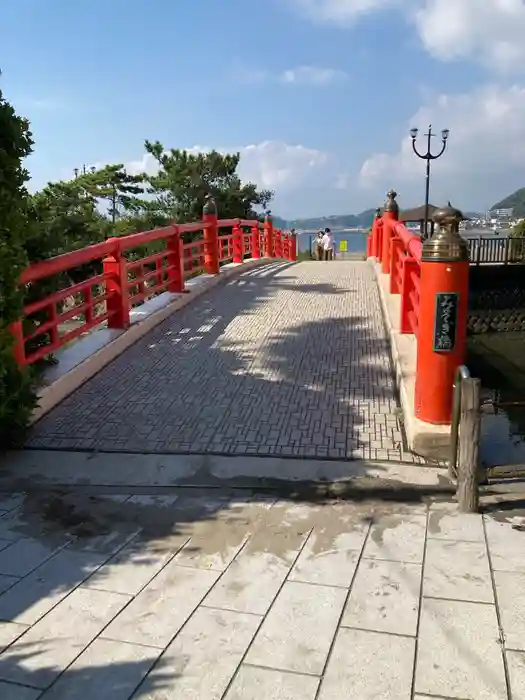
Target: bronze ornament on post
(446,245)
(391,206)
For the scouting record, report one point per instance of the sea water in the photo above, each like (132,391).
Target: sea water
(345,241)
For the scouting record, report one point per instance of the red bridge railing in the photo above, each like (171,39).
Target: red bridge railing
(120,281)
(399,252)
(433,286)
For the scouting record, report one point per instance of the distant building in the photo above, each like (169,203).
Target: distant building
(496,215)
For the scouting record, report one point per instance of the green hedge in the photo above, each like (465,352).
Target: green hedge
(17,398)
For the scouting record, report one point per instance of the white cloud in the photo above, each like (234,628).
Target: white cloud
(270,164)
(487,31)
(279,165)
(485,154)
(490,31)
(339,12)
(312,75)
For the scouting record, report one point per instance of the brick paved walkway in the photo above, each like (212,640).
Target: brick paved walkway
(283,360)
(236,597)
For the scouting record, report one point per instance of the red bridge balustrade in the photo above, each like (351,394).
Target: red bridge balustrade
(121,281)
(432,281)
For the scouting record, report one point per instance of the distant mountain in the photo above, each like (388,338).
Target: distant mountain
(363,220)
(516,201)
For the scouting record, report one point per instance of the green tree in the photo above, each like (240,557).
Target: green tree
(184,179)
(17,398)
(113,185)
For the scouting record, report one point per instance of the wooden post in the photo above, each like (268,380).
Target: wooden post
(118,305)
(211,237)
(469,438)
(175,259)
(238,242)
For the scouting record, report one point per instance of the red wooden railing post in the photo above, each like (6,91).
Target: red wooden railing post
(286,246)
(211,237)
(390,215)
(396,251)
(376,233)
(410,267)
(293,246)
(268,237)
(117,287)
(443,303)
(175,262)
(238,242)
(379,240)
(256,242)
(278,243)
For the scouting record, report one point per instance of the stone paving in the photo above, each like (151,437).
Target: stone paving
(232,596)
(282,360)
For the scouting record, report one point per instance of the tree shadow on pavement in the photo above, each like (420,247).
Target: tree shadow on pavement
(266,365)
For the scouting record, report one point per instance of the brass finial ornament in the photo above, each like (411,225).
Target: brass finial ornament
(209,205)
(446,245)
(268,215)
(378,213)
(391,205)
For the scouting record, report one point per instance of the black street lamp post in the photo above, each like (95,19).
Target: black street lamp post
(428,156)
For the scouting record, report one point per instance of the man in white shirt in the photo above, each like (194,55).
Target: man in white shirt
(328,245)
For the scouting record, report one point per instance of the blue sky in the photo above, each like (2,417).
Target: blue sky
(318,95)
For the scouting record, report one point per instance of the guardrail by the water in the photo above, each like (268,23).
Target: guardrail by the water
(506,250)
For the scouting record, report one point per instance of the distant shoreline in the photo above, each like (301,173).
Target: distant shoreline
(335,230)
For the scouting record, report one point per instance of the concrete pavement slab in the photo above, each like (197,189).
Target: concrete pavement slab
(253,683)
(384,597)
(459,652)
(299,629)
(254,578)
(446,523)
(159,611)
(457,570)
(131,568)
(9,631)
(506,546)
(23,556)
(516,666)
(106,669)
(44,651)
(369,666)
(397,537)
(35,595)
(201,661)
(510,589)
(9,691)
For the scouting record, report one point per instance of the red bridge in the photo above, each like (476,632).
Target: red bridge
(285,358)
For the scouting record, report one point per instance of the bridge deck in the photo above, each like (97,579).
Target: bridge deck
(283,360)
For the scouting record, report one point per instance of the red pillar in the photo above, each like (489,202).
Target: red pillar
(375,242)
(293,247)
(278,237)
(211,237)
(396,247)
(443,313)
(256,242)
(238,243)
(117,288)
(175,260)
(268,237)
(391,214)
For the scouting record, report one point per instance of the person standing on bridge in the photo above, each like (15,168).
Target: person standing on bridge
(328,244)
(319,246)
